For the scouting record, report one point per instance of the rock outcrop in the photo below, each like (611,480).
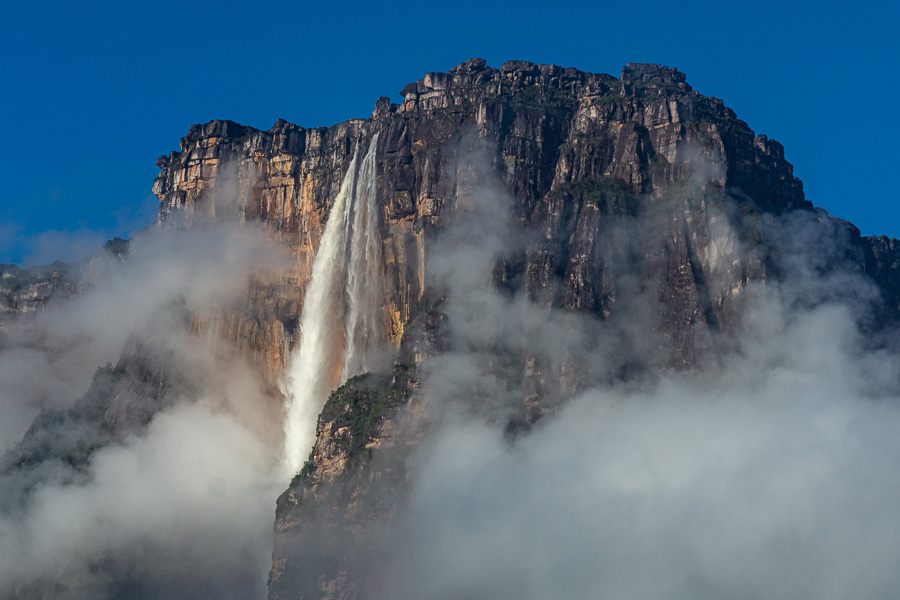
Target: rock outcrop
(635,189)
(24,291)
(640,200)
(569,146)
(574,150)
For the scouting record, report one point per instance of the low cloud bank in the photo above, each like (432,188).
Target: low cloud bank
(775,477)
(182,509)
(771,472)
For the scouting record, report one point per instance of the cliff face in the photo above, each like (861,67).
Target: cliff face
(640,204)
(634,191)
(572,148)
(569,146)
(27,291)
(24,291)
(882,263)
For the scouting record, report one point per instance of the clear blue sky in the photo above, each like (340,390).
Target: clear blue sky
(93,92)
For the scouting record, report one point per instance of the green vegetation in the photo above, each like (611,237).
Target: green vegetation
(356,410)
(540,96)
(78,455)
(14,279)
(361,404)
(584,139)
(611,98)
(454,114)
(659,160)
(605,193)
(242,138)
(309,467)
(70,436)
(117,247)
(598,185)
(105,379)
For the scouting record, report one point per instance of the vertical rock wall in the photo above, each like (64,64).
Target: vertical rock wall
(635,192)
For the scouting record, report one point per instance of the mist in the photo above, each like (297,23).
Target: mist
(769,471)
(783,489)
(49,362)
(181,508)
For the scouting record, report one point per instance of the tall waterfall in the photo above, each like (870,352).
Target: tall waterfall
(339,326)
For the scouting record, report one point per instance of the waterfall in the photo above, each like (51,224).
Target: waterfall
(339,324)
(362,330)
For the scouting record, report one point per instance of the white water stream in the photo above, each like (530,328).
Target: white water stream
(339,324)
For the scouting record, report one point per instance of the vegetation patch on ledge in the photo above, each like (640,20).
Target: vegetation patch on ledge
(360,405)
(609,194)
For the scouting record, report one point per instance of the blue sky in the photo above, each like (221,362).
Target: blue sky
(94,92)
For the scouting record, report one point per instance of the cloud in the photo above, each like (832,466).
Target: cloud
(774,476)
(183,509)
(781,487)
(769,472)
(49,362)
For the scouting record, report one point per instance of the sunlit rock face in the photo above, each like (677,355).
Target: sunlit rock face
(638,171)
(636,203)
(638,196)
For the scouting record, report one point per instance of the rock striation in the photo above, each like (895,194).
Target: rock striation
(643,204)
(635,189)
(572,148)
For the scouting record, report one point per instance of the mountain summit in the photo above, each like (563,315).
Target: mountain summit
(504,256)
